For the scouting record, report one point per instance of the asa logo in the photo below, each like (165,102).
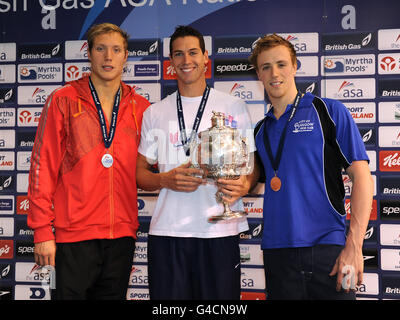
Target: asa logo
(303,42)
(348,90)
(139,276)
(252,278)
(38,96)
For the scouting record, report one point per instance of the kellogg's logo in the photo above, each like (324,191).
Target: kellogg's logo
(374,210)
(6,249)
(389,160)
(169,72)
(22,206)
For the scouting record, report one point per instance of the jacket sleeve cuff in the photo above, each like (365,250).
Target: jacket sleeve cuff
(43,234)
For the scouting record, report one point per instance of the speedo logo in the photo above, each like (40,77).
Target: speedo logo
(233,68)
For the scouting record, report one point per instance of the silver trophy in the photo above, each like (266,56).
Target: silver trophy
(221,153)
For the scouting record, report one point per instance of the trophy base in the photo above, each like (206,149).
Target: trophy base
(227,216)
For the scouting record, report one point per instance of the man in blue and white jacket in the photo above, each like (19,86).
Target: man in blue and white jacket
(303,144)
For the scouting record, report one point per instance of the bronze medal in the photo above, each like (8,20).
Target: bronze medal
(276,183)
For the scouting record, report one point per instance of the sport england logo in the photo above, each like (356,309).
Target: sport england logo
(362,112)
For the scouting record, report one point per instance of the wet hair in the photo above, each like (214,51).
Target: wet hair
(271,41)
(187,31)
(103,28)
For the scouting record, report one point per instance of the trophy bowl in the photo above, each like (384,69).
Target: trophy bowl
(221,153)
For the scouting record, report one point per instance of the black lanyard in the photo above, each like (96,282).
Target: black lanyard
(275,161)
(196,124)
(107,138)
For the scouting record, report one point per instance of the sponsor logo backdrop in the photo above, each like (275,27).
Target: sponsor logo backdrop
(345,51)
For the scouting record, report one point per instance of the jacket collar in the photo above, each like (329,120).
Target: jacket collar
(82,87)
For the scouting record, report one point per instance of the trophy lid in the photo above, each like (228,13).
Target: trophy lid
(218,119)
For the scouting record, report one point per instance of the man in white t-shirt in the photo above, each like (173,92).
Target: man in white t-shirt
(189,257)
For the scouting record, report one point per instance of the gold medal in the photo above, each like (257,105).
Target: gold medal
(276,183)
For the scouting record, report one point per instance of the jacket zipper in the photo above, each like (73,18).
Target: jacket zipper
(111,175)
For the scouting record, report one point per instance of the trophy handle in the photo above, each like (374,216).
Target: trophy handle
(194,145)
(247,169)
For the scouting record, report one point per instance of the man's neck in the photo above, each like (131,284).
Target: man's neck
(280,104)
(106,89)
(191,90)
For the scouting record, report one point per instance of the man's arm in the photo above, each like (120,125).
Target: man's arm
(361,203)
(182,178)
(46,158)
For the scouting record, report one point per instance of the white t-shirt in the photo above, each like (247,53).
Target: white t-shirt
(184,214)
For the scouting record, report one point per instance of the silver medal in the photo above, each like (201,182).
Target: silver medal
(107,160)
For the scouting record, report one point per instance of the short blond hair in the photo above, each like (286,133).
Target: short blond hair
(271,41)
(103,28)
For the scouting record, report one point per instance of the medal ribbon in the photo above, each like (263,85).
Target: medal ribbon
(276,161)
(107,138)
(196,124)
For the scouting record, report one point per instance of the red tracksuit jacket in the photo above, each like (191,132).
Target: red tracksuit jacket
(69,188)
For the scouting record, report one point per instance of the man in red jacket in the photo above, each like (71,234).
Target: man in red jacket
(82,181)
